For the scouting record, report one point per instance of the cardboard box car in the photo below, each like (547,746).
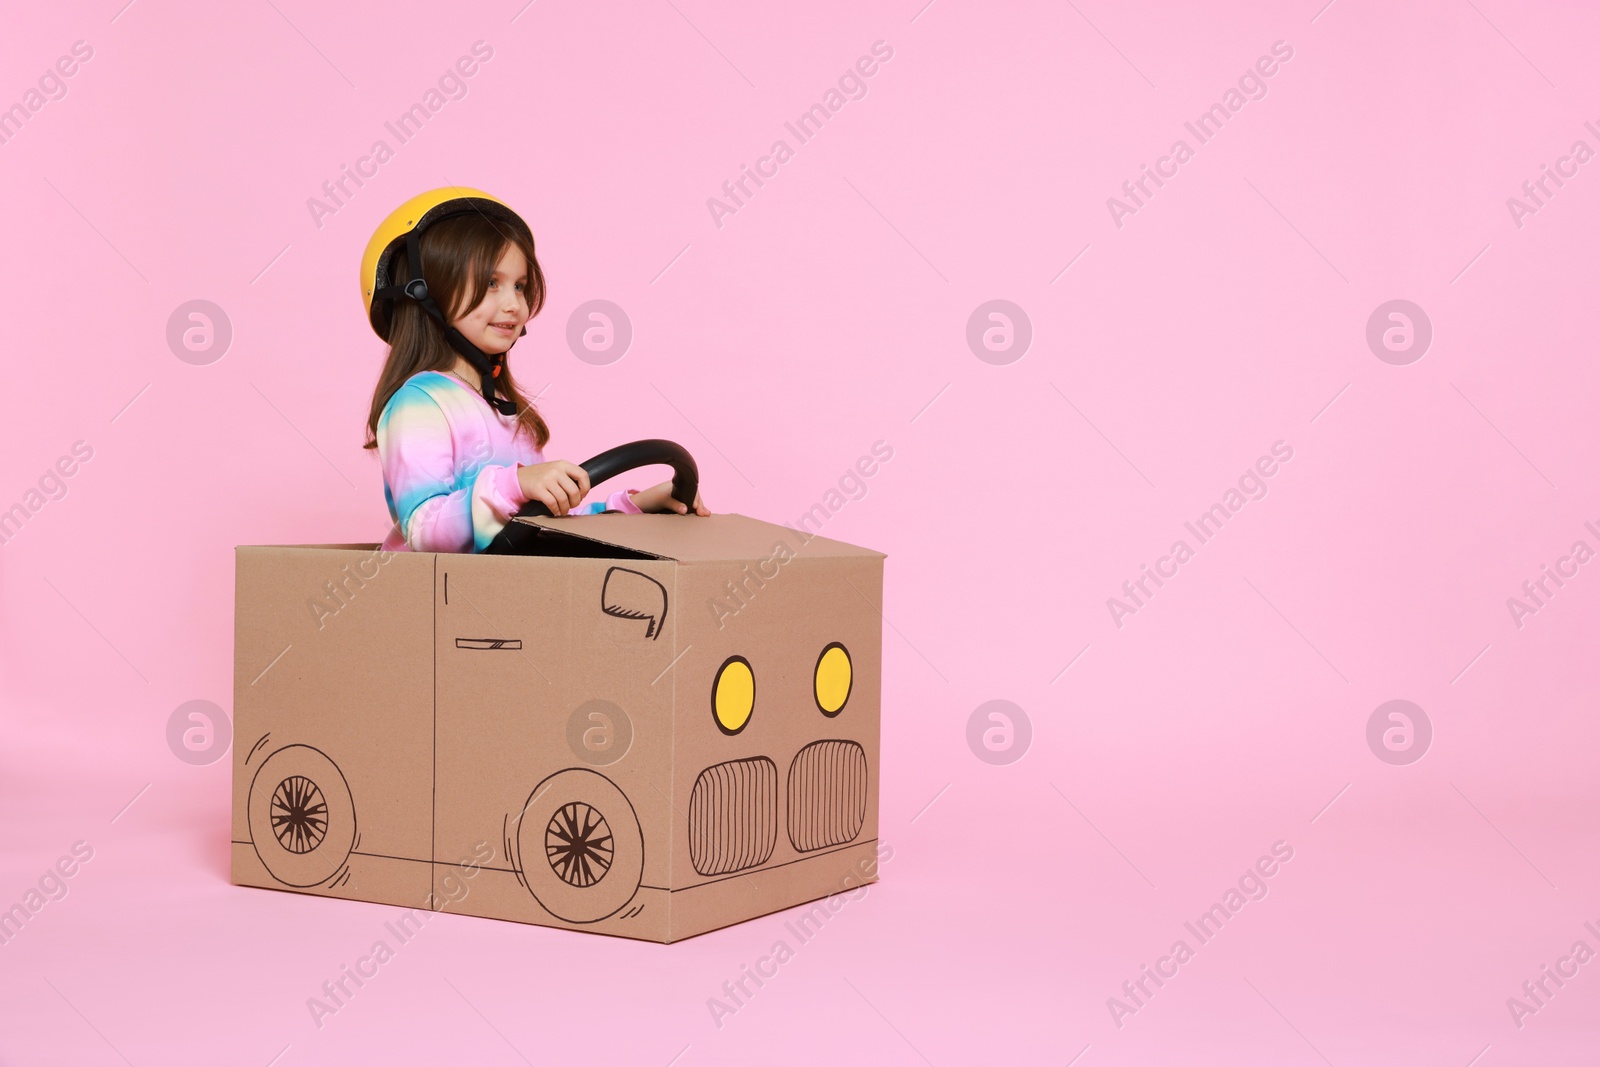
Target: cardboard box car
(657,726)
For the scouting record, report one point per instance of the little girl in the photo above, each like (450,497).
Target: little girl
(459,443)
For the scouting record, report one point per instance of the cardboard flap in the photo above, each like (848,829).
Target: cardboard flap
(697,538)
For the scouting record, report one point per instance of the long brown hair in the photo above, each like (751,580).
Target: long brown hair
(459,255)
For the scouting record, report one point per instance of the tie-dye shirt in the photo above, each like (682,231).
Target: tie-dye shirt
(450,467)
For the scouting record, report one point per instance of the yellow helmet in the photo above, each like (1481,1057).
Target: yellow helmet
(404,226)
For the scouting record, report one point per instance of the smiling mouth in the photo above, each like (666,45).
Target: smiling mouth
(511,328)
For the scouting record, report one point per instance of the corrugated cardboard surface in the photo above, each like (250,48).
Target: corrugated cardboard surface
(439,715)
(336,687)
(698,538)
(781,628)
(506,763)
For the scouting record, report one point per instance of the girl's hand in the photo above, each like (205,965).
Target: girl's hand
(560,485)
(659,498)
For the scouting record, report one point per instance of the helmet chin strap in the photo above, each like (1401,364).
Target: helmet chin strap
(488,366)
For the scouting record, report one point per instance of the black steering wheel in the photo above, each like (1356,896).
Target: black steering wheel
(516,538)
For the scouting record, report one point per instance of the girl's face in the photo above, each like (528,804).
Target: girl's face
(497,321)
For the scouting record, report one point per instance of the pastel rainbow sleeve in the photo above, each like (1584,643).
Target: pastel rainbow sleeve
(437,507)
(617,501)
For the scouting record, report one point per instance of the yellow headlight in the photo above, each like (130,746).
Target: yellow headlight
(832,682)
(733,694)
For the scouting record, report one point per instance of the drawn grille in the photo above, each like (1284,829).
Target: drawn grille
(733,816)
(827,794)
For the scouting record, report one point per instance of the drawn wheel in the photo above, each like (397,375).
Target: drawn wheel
(299,815)
(579,846)
(302,819)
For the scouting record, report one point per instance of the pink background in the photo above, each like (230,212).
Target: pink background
(828,313)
